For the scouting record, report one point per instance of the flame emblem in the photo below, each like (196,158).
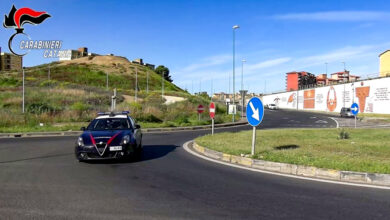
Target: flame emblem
(18,17)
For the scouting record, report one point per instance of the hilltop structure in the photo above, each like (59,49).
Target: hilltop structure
(10,61)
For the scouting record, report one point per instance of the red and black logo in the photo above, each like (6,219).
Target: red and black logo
(18,17)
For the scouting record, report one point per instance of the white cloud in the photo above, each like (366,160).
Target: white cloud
(267,64)
(208,62)
(335,16)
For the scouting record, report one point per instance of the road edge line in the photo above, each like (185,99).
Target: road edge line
(337,123)
(197,154)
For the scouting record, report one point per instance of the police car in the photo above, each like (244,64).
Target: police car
(111,135)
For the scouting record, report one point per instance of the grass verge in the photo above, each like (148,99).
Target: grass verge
(364,150)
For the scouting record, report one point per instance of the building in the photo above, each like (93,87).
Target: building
(74,54)
(10,61)
(298,80)
(343,77)
(70,55)
(140,61)
(384,64)
(151,66)
(83,51)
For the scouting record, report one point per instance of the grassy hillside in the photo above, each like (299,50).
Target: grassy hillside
(77,90)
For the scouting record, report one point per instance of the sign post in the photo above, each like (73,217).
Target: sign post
(200,110)
(355,110)
(254,115)
(212,115)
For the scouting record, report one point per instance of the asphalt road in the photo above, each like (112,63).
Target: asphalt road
(41,179)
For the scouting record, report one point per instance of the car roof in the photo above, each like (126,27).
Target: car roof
(111,116)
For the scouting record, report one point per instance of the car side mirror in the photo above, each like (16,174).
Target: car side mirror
(82,128)
(137,126)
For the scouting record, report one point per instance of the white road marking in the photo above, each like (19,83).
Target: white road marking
(186,148)
(337,123)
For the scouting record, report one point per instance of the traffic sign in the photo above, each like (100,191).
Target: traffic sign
(212,110)
(355,108)
(200,109)
(254,111)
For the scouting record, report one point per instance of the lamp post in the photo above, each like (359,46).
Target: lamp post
(242,74)
(234,66)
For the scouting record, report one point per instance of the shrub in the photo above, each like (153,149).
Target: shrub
(343,135)
(79,106)
(39,108)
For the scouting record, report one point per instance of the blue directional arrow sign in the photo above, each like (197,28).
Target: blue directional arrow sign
(355,108)
(255,111)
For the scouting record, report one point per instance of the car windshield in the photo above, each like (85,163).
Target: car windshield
(109,124)
(272,104)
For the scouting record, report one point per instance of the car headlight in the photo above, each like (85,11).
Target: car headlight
(80,142)
(126,139)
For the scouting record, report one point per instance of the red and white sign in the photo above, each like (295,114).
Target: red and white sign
(212,110)
(200,109)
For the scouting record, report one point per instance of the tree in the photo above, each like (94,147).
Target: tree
(162,70)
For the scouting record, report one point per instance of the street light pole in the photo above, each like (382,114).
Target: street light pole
(242,74)
(234,66)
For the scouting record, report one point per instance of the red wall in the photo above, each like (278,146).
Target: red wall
(292,81)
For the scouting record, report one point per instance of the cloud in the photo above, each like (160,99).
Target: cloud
(335,16)
(208,62)
(267,64)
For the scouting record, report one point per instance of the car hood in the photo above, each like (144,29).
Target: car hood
(111,137)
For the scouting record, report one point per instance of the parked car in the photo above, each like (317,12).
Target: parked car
(346,112)
(273,106)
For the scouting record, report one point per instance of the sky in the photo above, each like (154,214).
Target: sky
(194,39)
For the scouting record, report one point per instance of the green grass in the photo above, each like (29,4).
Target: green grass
(75,93)
(366,150)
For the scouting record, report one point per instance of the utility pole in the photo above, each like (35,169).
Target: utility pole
(23,91)
(113,101)
(136,84)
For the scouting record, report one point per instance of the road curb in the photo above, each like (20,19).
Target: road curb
(147,130)
(373,179)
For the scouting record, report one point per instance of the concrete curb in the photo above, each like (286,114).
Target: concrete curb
(147,130)
(297,170)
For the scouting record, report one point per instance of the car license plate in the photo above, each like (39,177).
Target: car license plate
(115,148)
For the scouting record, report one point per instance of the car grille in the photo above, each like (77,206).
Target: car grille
(105,155)
(101,147)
